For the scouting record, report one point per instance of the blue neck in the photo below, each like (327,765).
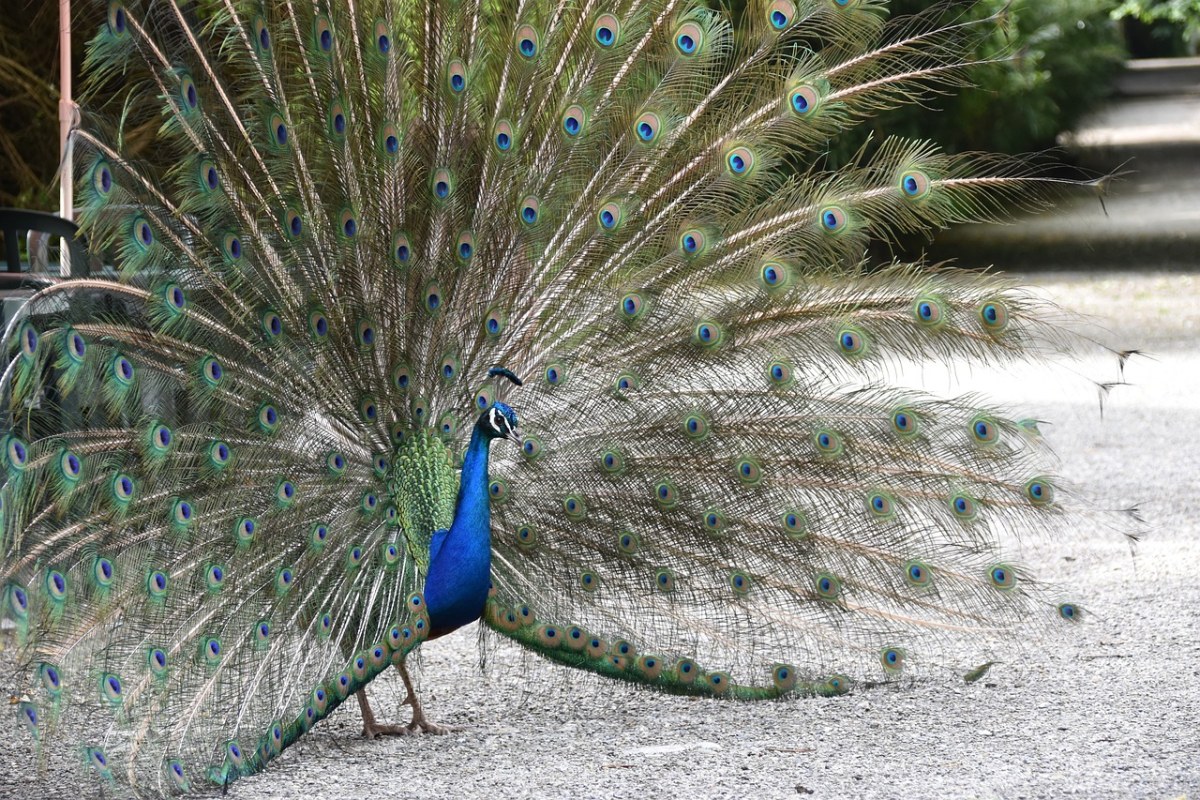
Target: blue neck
(460,561)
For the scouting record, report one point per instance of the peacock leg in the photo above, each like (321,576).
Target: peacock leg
(371,728)
(419,724)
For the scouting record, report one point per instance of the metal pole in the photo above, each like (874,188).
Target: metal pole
(66,117)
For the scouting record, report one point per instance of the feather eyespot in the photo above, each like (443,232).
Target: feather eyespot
(448,370)
(348,224)
(714,521)
(336,120)
(368,409)
(612,462)
(803,100)
(143,235)
(695,425)
(688,39)
(880,505)
(852,342)
(389,140)
(530,210)
(828,586)
(102,178)
(574,506)
(442,184)
(502,136)
(708,334)
(829,443)
(748,470)
(892,659)
(383,39)
(118,20)
(419,410)
(267,418)
(985,431)
(1069,612)
(780,374)
(784,677)
(664,580)
(188,96)
(928,312)
(401,250)
(211,371)
(1002,577)
(795,525)
(740,582)
(494,323)
(243,531)
(774,276)
(781,14)
(401,376)
(103,572)
(527,536)
(833,219)
(625,382)
(904,422)
(1040,492)
(628,543)
(606,31)
(555,374)
(456,76)
(318,325)
(666,496)
(293,223)
(633,305)
(692,243)
(914,184)
(220,455)
(498,490)
(994,316)
(174,298)
(528,42)
(610,216)
(231,247)
(123,488)
(918,574)
(210,179)
(156,584)
(433,298)
(56,585)
(964,507)
(323,34)
(573,120)
(262,36)
(740,161)
(278,130)
(647,127)
(76,346)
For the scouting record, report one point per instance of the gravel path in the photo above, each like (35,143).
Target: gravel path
(1110,711)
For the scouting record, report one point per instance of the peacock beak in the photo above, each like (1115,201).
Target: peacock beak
(516,435)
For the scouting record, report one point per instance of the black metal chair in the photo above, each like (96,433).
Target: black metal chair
(13,222)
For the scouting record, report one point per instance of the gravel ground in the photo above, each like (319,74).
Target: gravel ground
(1110,711)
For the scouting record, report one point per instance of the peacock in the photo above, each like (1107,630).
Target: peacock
(557,316)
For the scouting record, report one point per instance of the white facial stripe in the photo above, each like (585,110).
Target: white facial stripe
(494,417)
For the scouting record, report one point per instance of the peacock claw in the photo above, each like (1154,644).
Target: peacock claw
(374,731)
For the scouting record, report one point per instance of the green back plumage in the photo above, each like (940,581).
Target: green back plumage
(224,468)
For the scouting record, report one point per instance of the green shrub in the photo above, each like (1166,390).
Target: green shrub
(1058,61)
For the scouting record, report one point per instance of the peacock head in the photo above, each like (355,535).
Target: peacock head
(499,422)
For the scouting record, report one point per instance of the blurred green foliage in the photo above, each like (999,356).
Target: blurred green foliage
(1047,62)
(1181,17)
